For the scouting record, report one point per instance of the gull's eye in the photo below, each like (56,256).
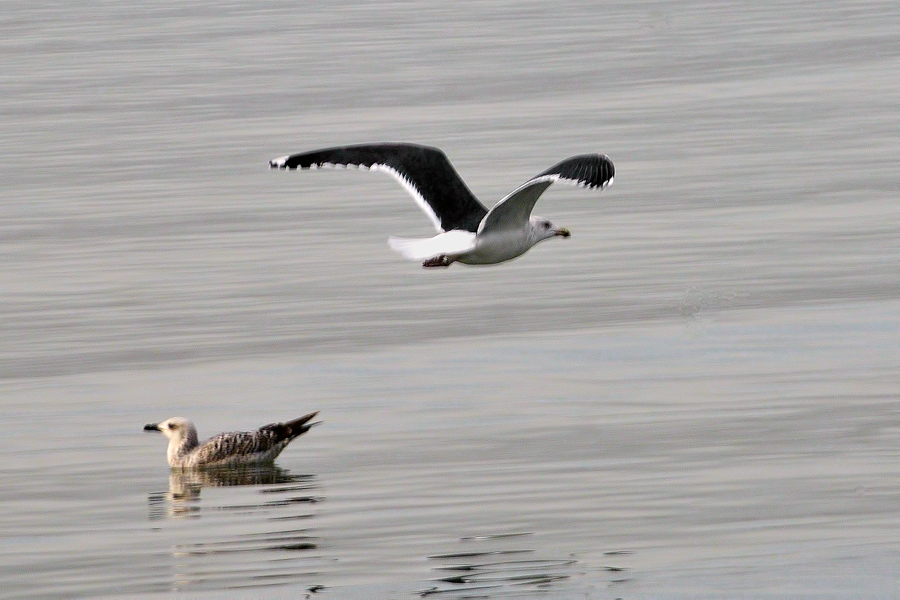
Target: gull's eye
(546,224)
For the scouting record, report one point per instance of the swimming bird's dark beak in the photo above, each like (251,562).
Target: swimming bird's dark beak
(563,232)
(151,427)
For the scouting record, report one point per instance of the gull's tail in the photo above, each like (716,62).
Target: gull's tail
(450,243)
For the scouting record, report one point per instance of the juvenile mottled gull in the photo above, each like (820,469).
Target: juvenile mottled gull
(228,449)
(467,231)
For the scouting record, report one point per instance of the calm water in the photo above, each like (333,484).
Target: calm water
(697,394)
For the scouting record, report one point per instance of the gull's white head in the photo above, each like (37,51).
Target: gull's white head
(181,433)
(542,229)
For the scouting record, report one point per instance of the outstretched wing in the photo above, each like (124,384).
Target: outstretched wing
(513,212)
(425,172)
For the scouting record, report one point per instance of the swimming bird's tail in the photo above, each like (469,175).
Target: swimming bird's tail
(450,243)
(300,426)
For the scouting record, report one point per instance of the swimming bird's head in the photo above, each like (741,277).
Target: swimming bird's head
(181,433)
(176,428)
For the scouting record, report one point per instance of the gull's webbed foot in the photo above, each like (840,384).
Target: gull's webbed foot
(438,261)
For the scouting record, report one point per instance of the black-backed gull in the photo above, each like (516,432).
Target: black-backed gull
(467,231)
(235,448)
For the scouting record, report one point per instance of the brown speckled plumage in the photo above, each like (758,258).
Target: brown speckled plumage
(231,448)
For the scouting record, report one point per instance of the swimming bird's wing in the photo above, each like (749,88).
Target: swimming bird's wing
(238,446)
(425,172)
(513,211)
(233,447)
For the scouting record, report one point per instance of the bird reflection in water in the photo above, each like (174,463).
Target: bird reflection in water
(255,526)
(183,498)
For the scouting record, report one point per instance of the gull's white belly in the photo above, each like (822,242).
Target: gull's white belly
(496,247)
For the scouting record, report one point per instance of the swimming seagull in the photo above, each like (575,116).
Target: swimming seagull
(236,448)
(467,231)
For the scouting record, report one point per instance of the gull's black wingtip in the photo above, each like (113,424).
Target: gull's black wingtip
(587,170)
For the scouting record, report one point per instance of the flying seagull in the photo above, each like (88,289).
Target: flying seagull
(236,448)
(467,231)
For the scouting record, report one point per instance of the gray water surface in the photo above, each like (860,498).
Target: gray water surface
(695,395)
